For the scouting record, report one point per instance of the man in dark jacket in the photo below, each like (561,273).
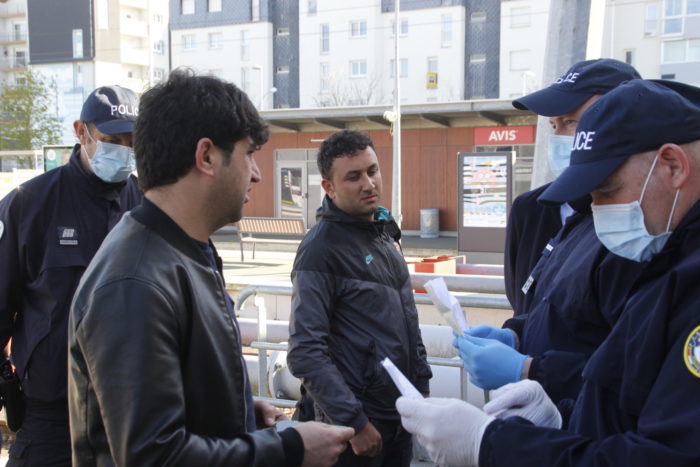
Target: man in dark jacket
(637,150)
(50,228)
(353,306)
(156,374)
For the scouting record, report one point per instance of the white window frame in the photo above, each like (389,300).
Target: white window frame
(324,85)
(675,16)
(159,47)
(214,6)
(246,77)
(245,46)
(189,42)
(651,19)
(446,27)
(433,69)
(516,57)
(520,17)
(78,43)
(403,64)
(325,38)
(216,40)
(358,68)
(358,28)
(187,7)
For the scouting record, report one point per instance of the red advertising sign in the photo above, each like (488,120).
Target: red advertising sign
(504,135)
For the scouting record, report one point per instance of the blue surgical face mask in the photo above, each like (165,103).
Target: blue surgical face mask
(559,153)
(112,163)
(621,228)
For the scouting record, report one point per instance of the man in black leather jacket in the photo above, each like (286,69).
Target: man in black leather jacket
(352,306)
(156,375)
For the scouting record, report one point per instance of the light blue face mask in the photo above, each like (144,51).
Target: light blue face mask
(620,227)
(112,163)
(559,153)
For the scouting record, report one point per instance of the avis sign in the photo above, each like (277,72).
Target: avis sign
(504,135)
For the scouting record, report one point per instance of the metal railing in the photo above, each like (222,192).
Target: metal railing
(262,346)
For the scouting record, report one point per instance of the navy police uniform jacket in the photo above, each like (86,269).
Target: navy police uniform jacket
(530,226)
(639,404)
(52,227)
(580,289)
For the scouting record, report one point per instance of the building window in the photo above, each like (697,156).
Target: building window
(674,51)
(693,7)
(520,17)
(520,60)
(432,64)
(216,40)
(478,58)
(255,10)
(103,14)
(358,28)
(651,22)
(157,18)
(214,6)
(629,57)
(245,46)
(694,50)
(358,68)
(446,30)
(282,31)
(403,65)
(77,43)
(187,7)
(478,16)
(188,42)
(159,47)
(158,74)
(245,79)
(20,59)
(325,38)
(282,69)
(325,84)
(312,6)
(403,28)
(673,16)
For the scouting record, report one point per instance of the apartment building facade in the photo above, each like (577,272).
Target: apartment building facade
(661,38)
(13,39)
(83,44)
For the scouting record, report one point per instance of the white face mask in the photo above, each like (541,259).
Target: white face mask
(559,153)
(621,228)
(112,163)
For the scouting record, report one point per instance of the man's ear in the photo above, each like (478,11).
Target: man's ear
(204,157)
(79,129)
(328,188)
(677,164)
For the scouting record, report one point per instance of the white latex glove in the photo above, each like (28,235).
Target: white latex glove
(450,429)
(526,399)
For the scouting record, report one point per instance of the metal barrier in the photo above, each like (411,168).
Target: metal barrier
(262,346)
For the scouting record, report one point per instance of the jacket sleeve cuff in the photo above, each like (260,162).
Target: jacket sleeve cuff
(534,368)
(359,422)
(293,447)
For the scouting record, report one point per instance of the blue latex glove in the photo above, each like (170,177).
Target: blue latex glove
(489,332)
(490,363)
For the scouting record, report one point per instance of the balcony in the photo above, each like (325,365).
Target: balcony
(7,11)
(134,28)
(139,57)
(13,37)
(13,64)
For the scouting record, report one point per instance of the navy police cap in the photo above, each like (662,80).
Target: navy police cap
(581,82)
(636,117)
(112,109)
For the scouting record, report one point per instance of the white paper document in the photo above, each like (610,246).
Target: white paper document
(405,387)
(447,305)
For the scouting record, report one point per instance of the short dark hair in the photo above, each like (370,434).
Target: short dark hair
(345,143)
(176,114)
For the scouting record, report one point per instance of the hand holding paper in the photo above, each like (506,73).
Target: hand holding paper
(447,305)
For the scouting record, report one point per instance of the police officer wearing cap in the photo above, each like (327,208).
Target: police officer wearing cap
(637,151)
(572,308)
(50,228)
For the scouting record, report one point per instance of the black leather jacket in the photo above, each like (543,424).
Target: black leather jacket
(352,306)
(155,370)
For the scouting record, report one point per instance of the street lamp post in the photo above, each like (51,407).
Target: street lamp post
(262,94)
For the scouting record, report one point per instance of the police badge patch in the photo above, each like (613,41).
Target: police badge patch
(691,352)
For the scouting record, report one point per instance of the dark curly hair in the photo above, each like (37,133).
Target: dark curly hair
(176,114)
(345,143)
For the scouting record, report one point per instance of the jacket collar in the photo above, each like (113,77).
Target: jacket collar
(90,182)
(330,212)
(156,220)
